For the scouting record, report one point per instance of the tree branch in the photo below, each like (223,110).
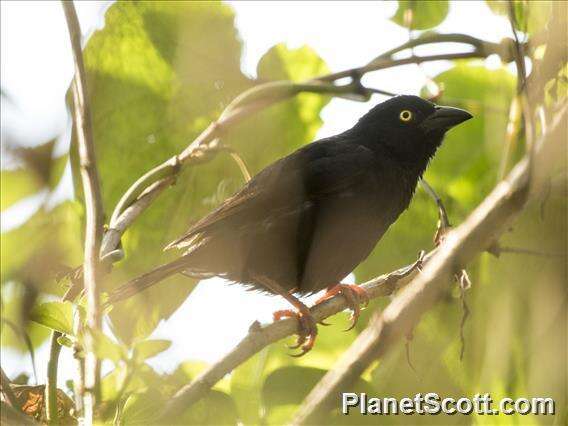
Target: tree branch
(93,206)
(479,231)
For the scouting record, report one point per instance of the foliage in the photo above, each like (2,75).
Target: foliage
(158,74)
(421,15)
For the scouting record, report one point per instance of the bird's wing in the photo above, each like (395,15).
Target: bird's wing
(293,183)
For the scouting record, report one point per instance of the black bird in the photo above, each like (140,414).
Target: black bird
(306,221)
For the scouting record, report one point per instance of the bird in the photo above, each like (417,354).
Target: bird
(306,221)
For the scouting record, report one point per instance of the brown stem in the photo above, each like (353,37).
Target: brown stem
(93,206)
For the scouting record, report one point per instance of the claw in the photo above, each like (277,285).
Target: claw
(354,295)
(307,329)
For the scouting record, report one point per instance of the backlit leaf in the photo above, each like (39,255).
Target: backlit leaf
(420,15)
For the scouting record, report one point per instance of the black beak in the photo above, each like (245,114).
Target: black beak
(444,118)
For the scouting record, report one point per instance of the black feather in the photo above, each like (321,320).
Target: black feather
(307,220)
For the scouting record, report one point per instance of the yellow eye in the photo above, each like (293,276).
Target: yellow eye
(405,115)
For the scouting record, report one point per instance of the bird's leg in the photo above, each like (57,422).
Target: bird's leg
(308,330)
(354,295)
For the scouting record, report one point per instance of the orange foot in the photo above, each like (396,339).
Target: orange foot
(307,328)
(355,296)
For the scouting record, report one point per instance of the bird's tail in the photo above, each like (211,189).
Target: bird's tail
(147,280)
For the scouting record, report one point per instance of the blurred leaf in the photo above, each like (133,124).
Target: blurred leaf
(179,67)
(17,184)
(530,16)
(112,382)
(217,408)
(37,251)
(38,171)
(281,63)
(57,316)
(420,15)
(246,385)
(467,163)
(138,379)
(290,386)
(187,371)
(150,348)
(14,312)
(20,331)
(143,408)
(106,348)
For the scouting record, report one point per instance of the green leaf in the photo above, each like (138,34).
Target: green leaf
(187,371)
(57,316)
(288,386)
(246,386)
(150,348)
(178,67)
(38,171)
(42,247)
(17,332)
(16,185)
(217,408)
(143,408)
(468,161)
(140,378)
(106,348)
(420,15)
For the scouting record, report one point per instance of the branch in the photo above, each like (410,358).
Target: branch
(503,49)
(480,230)
(93,205)
(260,336)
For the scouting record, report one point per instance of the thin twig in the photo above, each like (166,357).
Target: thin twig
(502,49)
(93,207)
(461,277)
(487,222)
(522,84)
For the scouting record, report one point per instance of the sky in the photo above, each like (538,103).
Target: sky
(37,67)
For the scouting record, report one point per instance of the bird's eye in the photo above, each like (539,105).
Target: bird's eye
(405,115)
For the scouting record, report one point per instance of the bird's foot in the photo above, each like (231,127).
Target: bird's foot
(355,296)
(308,329)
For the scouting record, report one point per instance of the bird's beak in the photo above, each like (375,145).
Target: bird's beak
(444,118)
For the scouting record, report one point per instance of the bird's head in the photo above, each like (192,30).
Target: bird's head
(408,127)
